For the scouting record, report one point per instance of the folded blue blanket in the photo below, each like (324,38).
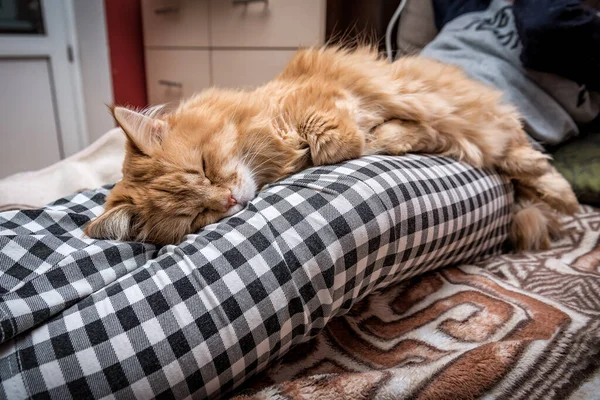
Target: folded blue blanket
(544,55)
(559,36)
(84,318)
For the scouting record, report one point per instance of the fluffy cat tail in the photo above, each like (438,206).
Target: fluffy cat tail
(541,195)
(534,225)
(536,179)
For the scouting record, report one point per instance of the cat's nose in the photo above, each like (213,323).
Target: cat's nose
(227,202)
(232,201)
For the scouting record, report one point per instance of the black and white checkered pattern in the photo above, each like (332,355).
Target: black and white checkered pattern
(83,318)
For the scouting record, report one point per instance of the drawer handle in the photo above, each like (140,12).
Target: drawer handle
(166,10)
(236,2)
(165,82)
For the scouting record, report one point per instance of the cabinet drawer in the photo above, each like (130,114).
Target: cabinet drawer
(175,74)
(276,23)
(175,22)
(247,68)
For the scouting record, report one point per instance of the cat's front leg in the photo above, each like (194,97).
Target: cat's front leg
(331,140)
(397,137)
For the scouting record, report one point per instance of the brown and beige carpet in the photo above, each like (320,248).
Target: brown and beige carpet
(516,326)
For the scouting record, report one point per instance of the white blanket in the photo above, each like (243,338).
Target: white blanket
(97,165)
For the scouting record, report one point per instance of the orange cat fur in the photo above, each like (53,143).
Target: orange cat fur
(203,161)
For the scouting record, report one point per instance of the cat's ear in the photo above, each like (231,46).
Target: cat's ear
(118,223)
(145,132)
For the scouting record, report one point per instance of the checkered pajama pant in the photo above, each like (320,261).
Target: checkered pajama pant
(83,318)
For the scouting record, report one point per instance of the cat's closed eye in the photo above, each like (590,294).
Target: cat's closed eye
(209,178)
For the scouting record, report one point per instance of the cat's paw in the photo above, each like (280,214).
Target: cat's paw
(333,146)
(524,161)
(533,226)
(398,149)
(469,153)
(393,137)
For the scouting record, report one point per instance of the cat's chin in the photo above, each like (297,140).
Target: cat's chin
(245,190)
(234,210)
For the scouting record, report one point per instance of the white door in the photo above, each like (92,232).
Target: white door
(41,103)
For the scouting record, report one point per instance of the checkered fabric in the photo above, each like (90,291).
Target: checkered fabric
(83,318)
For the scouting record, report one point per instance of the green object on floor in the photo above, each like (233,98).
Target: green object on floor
(579,162)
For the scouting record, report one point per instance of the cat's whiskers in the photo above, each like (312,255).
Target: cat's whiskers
(256,153)
(254,144)
(250,153)
(257,168)
(255,150)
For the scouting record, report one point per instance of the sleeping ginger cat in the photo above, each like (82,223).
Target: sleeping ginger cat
(209,157)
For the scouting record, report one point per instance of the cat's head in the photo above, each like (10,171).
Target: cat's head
(182,171)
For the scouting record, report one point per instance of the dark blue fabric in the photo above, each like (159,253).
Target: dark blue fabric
(446,10)
(560,37)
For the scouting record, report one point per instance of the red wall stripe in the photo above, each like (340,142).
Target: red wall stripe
(126,48)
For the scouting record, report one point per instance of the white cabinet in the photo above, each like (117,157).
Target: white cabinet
(175,23)
(248,67)
(42,116)
(30,135)
(276,23)
(194,44)
(176,73)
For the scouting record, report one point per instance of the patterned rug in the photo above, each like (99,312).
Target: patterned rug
(516,326)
